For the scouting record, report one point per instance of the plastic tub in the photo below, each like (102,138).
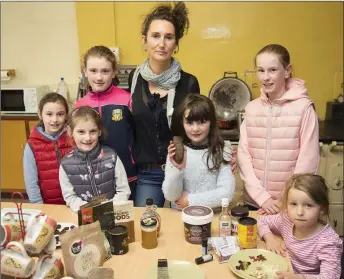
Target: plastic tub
(197,223)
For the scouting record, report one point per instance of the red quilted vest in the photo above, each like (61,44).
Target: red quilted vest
(48,155)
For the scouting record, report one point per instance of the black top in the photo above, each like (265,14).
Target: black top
(152,134)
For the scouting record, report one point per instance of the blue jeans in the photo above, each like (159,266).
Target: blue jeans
(149,183)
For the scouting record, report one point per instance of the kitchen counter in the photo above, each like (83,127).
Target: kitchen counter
(331,131)
(19,116)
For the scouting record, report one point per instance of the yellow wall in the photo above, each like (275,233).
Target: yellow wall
(312,32)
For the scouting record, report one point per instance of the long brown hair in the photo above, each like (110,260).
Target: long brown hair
(314,186)
(201,108)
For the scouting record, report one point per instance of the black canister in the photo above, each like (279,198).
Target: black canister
(238,212)
(118,239)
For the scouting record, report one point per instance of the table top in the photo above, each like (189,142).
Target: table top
(171,243)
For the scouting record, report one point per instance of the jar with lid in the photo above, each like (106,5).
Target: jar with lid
(151,211)
(238,212)
(149,233)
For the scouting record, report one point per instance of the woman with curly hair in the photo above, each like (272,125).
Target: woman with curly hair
(157,87)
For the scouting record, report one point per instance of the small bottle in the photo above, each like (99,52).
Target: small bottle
(204,246)
(225,219)
(63,89)
(151,212)
(204,259)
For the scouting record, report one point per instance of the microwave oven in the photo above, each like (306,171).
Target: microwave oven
(22,100)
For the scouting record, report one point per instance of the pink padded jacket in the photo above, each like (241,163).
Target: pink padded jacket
(277,139)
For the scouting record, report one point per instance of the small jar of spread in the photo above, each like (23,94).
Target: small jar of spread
(238,212)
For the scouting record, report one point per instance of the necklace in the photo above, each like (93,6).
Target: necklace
(197,147)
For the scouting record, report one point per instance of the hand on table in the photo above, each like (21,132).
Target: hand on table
(172,152)
(183,201)
(273,244)
(288,275)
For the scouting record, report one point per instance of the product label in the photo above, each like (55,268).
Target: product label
(225,228)
(234,227)
(124,215)
(88,258)
(158,223)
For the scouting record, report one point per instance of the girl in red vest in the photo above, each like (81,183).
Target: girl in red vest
(47,145)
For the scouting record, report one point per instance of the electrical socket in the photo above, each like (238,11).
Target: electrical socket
(115,50)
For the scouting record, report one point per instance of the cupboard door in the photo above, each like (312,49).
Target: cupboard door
(322,162)
(334,174)
(32,123)
(336,218)
(13,140)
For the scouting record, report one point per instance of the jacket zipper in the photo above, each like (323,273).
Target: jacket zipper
(90,172)
(58,155)
(267,147)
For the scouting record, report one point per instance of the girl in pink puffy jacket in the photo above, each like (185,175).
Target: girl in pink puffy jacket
(280,133)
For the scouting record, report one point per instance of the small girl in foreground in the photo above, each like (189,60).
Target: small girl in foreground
(313,246)
(91,169)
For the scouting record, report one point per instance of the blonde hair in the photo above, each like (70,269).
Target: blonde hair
(314,186)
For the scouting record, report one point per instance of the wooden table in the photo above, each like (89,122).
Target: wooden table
(171,243)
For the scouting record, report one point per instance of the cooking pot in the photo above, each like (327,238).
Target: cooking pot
(229,95)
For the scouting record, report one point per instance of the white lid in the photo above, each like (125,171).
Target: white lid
(197,215)
(225,202)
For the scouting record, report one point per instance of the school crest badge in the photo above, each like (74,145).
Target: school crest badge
(117,115)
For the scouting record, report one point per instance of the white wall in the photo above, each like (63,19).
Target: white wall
(39,40)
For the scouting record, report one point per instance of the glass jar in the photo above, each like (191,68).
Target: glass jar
(149,233)
(101,273)
(238,212)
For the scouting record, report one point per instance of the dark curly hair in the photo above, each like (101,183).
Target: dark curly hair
(176,13)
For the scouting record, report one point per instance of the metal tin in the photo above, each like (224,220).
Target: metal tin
(118,239)
(247,232)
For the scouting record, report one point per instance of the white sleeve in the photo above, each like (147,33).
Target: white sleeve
(172,187)
(71,198)
(122,186)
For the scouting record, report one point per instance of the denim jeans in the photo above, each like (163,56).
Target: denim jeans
(149,183)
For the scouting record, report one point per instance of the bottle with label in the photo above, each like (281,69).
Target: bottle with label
(151,212)
(63,89)
(225,219)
